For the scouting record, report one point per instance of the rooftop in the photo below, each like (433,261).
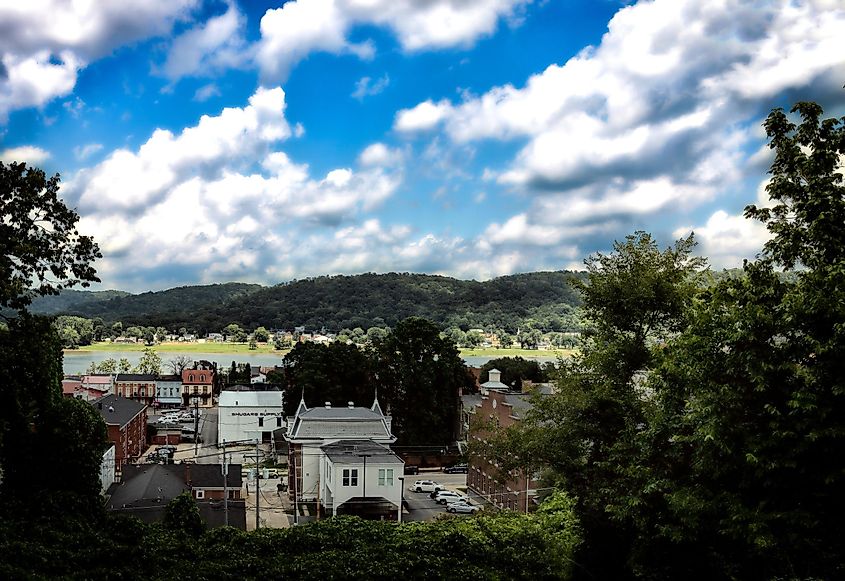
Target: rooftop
(117,410)
(352,452)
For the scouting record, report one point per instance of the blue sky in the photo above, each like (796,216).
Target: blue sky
(208,142)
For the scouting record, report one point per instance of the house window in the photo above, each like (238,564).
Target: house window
(200,494)
(385,476)
(191,377)
(350,477)
(260,422)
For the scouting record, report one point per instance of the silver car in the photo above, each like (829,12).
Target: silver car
(462,506)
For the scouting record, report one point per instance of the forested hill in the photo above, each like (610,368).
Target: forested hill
(165,308)
(336,302)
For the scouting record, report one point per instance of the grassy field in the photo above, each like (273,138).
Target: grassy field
(525,353)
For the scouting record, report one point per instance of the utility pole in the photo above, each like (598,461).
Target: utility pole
(197,427)
(225,487)
(257,483)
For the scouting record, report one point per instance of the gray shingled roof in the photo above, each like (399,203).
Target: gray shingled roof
(315,428)
(340,413)
(350,451)
(117,410)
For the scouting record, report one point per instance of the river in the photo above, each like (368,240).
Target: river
(77,362)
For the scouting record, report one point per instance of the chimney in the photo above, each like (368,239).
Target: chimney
(328,405)
(351,404)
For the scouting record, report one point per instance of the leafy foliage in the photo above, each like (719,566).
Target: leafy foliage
(544,299)
(419,374)
(183,516)
(499,546)
(40,250)
(514,371)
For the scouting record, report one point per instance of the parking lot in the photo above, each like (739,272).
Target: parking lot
(420,506)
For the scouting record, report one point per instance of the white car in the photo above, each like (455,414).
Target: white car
(462,507)
(426,486)
(449,496)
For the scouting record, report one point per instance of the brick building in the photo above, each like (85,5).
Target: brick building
(126,421)
(198,385)
(140,387)
(499,408)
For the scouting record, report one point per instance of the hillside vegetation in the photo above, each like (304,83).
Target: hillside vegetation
(545,299)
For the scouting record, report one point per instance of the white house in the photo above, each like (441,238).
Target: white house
(360,477)
(242,415)
(326,441)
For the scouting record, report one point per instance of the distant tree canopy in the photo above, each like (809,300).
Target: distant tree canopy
(415,372)
(514,371)
(543,299)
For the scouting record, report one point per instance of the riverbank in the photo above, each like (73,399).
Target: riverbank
(267,349)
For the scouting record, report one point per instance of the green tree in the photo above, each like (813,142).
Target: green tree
(530,338)
(41,251)
(150,362)
(376,333)
(183,516)
(514,371)
(124,366)
(473,339)
(743,452)
(117,329)
(252,344)
(335,372)
(234,333)
(418,374)
(107,366)
(635,298)
(506,340)
(261,335)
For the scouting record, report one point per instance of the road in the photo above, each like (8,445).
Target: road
(208,426)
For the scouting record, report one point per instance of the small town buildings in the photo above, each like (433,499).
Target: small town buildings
(126,421)
(313,457)
(168,392)
(499,408)
(248,412)
(95,386)
(145,490)
(138,386)
(198,385)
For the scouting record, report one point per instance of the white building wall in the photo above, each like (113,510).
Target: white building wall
(239,415)
(333,488)
(107,469)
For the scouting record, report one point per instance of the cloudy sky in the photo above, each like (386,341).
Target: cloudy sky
(264,141)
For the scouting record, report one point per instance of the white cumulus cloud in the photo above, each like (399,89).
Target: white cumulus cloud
(29,154)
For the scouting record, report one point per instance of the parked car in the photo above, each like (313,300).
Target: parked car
(456,469)
(411,469)
(448,497)
(426,486)
(462,507)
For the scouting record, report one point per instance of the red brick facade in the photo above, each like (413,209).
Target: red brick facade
(496,411)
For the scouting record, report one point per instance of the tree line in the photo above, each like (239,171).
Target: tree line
(540,300)
(702,426)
